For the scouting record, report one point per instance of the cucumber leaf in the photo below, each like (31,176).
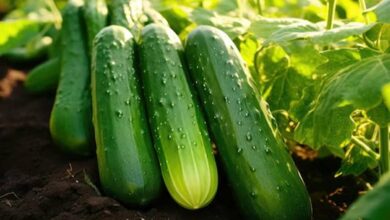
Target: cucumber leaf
(357,161)
(16,33)
(318,34)
(264,27)
(382,11)
(233,26)
(356,87)
(372,205)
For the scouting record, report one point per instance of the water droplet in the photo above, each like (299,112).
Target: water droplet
(170,137)
(253,194)
(161,101)
(253,169)
(239,150)
(180,129)
(119,113)
(183,136)
(239,123)
(267,150)
(127,102)
(248,136)
(172,104)
(254,147)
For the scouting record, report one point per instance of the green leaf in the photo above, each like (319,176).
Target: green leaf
(317,34)
(372,205)
(356,161)
(380,115)
(356,87)
(337,59)
(16,33)
(233,26)
(285,72)
(382,11)
(264,27)
(334,61)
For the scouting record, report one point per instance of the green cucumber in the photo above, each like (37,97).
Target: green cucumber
(95,15)
(71,116)
(44,77)
(261,172)
(128,166)
(179,130)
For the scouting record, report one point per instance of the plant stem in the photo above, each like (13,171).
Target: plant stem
(384,149)
(364,146)
(363,7)
(259,7)
(331,12)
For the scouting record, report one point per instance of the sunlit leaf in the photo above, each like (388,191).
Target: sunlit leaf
(356,161)
(355,87)
(264,27)
(16,33)
(382,11)
(233,26)
(317,34)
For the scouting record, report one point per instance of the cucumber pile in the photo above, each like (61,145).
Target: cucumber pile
(153,107)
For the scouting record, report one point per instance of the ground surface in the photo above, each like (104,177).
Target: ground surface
(39,182)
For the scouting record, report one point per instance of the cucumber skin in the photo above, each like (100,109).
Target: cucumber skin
(262,174)
(44,77)
(95,15)
(179,130)
(71,116)
(128,166)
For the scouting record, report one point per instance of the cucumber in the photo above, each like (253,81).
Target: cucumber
(128,166)
(262,174)
(95,16)
(44,77)
(71,116)
(179,130)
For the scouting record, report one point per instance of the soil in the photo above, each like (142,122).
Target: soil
(39,182)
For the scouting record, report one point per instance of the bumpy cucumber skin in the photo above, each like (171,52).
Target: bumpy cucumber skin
(95,16)
(128,166)
(179,130)
(262,174)
(44,77)
(71,116)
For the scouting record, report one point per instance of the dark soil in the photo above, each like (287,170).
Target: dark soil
(39,182)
